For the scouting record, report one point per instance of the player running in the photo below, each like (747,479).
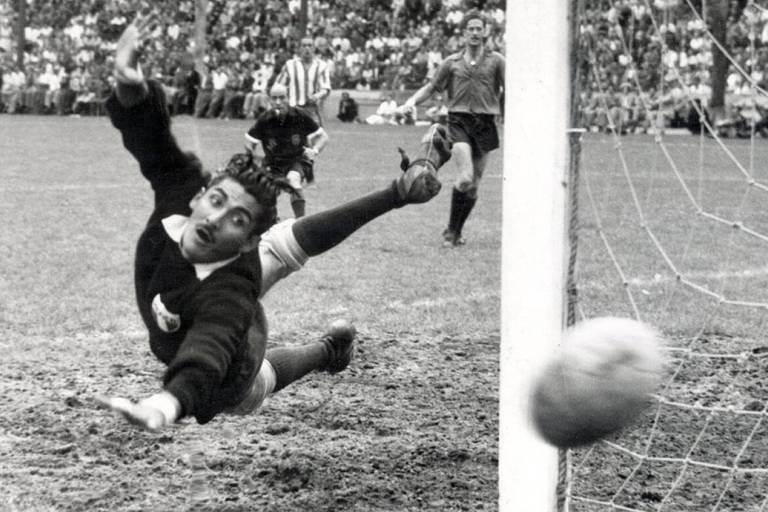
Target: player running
(210,251)
(290,141)
(472,80)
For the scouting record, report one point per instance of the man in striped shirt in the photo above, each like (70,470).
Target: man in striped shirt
(307,79)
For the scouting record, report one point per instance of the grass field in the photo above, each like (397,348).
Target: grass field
(411,425)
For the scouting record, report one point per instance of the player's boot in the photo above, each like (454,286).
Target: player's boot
(452,239)
(339,340)
(419,182)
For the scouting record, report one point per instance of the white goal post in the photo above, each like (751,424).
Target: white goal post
(534,245)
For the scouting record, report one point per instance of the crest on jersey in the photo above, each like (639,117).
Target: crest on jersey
(166,321)
(271,144)
(296,140)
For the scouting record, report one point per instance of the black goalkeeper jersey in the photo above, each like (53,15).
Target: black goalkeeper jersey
(210,332)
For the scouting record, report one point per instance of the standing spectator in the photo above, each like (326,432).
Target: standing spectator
(307,80)
(385,113)
(347,109)
(13,87)
(256,101)
(473,80)
(234,95)
(66,97)
(204,95)
(219,79)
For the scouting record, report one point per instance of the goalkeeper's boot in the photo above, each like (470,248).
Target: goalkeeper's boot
(339,340)
(419,182)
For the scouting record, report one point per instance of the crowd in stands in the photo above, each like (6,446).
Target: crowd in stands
(649,68)
(389,45)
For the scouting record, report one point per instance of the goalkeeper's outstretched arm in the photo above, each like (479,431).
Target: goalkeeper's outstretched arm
(131,88)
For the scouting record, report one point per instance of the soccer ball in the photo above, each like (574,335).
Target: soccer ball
(598,383)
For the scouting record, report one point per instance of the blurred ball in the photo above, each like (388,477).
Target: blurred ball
(598,383)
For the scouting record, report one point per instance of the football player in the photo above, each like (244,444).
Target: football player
(210,250)
(287,141)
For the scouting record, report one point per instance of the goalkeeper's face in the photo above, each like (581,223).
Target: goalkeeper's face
(221,224)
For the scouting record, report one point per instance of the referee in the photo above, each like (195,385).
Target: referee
(472,80)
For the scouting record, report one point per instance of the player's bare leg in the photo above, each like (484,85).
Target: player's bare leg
(298,203)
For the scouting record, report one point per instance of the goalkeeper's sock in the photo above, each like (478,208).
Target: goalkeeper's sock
(319,232)
(292,363)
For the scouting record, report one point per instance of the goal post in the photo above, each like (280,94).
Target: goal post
(534,244)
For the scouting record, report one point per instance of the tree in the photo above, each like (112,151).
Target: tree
(717,14)
(201,7)
(21,26)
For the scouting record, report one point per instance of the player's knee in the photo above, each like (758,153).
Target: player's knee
(467,186)
(294,178)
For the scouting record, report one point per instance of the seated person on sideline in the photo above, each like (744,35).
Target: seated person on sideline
(210,251)
(347,109)
(385,114)
(290,140)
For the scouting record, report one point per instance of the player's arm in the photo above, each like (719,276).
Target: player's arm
(131,88)
(254,145)
(324,84)
(139,110)
(196,372)
(316,143)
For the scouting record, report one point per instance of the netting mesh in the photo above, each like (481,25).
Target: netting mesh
(672,230)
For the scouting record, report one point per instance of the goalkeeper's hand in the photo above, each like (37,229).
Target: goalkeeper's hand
(153,413)
(129,48)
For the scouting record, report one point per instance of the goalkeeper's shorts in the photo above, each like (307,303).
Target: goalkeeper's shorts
(262,386)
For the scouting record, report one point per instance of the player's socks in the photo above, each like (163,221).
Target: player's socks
(321,231)
(332,353)
(453,220)
(466,203)
(299,206)
(292,363)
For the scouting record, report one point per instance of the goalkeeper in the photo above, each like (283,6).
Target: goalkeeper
(210,251)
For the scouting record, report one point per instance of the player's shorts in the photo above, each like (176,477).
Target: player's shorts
(303,166)
(262,386)
(477,130)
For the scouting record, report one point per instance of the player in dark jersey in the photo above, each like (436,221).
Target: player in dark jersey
(210,250)
(473,81)
(290,140)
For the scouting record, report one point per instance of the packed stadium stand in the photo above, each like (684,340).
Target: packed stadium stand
(370,45)
(640,57)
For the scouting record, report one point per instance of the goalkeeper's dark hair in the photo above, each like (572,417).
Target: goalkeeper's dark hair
(263,186)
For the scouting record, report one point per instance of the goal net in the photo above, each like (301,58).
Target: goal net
(672,210)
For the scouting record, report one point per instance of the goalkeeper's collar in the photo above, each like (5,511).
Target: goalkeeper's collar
(174,228)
